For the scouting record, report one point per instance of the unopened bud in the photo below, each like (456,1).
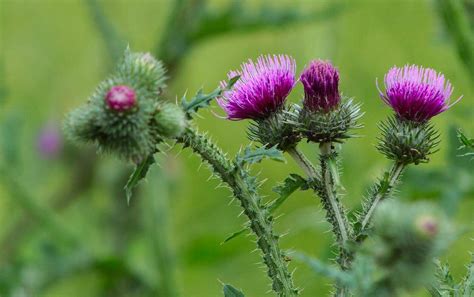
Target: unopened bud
(121,98)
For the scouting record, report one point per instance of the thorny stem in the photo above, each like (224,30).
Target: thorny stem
(382,191)
(335,211)
(303,162)
(244,189)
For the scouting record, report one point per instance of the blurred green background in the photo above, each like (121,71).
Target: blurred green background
(65,227)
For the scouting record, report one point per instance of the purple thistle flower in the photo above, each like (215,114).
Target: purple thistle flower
(120,98)
(49,141)
(262,88)
(321,86)
(415,93)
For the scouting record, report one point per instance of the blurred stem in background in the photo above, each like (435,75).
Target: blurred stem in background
(158,212)
(191,22)
(453,13)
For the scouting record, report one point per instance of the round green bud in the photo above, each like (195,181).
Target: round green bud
(170,120)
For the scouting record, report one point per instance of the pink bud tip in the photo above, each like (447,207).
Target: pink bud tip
(427,225)
(120,98)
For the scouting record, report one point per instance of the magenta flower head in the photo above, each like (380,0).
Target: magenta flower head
(262,88)
(415,93)
(120,98)
(321,86)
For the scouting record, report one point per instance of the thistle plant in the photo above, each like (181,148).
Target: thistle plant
(380,250)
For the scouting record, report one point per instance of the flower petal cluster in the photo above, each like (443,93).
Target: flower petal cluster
(321,86)
(415,93)
(262,88)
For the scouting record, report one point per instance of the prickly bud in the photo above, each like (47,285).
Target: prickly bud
(119,115)
(170,120)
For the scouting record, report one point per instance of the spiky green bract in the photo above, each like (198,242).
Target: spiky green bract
(405,240)
(144,70)
(130,134)
(330,126)
(407,142)
(244,188)
(278,129)
(170,120)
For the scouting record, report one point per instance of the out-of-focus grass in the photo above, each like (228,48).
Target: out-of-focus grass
(54,59)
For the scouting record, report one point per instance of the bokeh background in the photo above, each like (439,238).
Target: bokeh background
(65,226)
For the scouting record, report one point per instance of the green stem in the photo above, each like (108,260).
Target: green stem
(244,189)
(303,162)
(381,192)
(335,212)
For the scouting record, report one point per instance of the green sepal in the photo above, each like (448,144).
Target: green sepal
(230,291)
(201,100)
(138,175)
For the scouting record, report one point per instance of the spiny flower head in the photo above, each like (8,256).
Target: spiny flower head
(415,93)
(120,98)
(321,86)
(262,88)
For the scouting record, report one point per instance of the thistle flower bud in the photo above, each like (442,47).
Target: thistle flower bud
(406,238)
(324,116)
(321,86)
(170,120)
(119,115)
(120,98)
(415,93)
(262,88)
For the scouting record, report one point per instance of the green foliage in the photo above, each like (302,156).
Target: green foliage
(230,291)
(138,175)
(446,286)
(249,156)
(201,100)
(285,189)
(467,144)
(407,142)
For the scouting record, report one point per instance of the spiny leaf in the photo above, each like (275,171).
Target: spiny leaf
(326,270)
(234,235)
(250,156)
(201,100)
(288,187)
(230,291)
(284,190)
(138,175)
(467,144)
